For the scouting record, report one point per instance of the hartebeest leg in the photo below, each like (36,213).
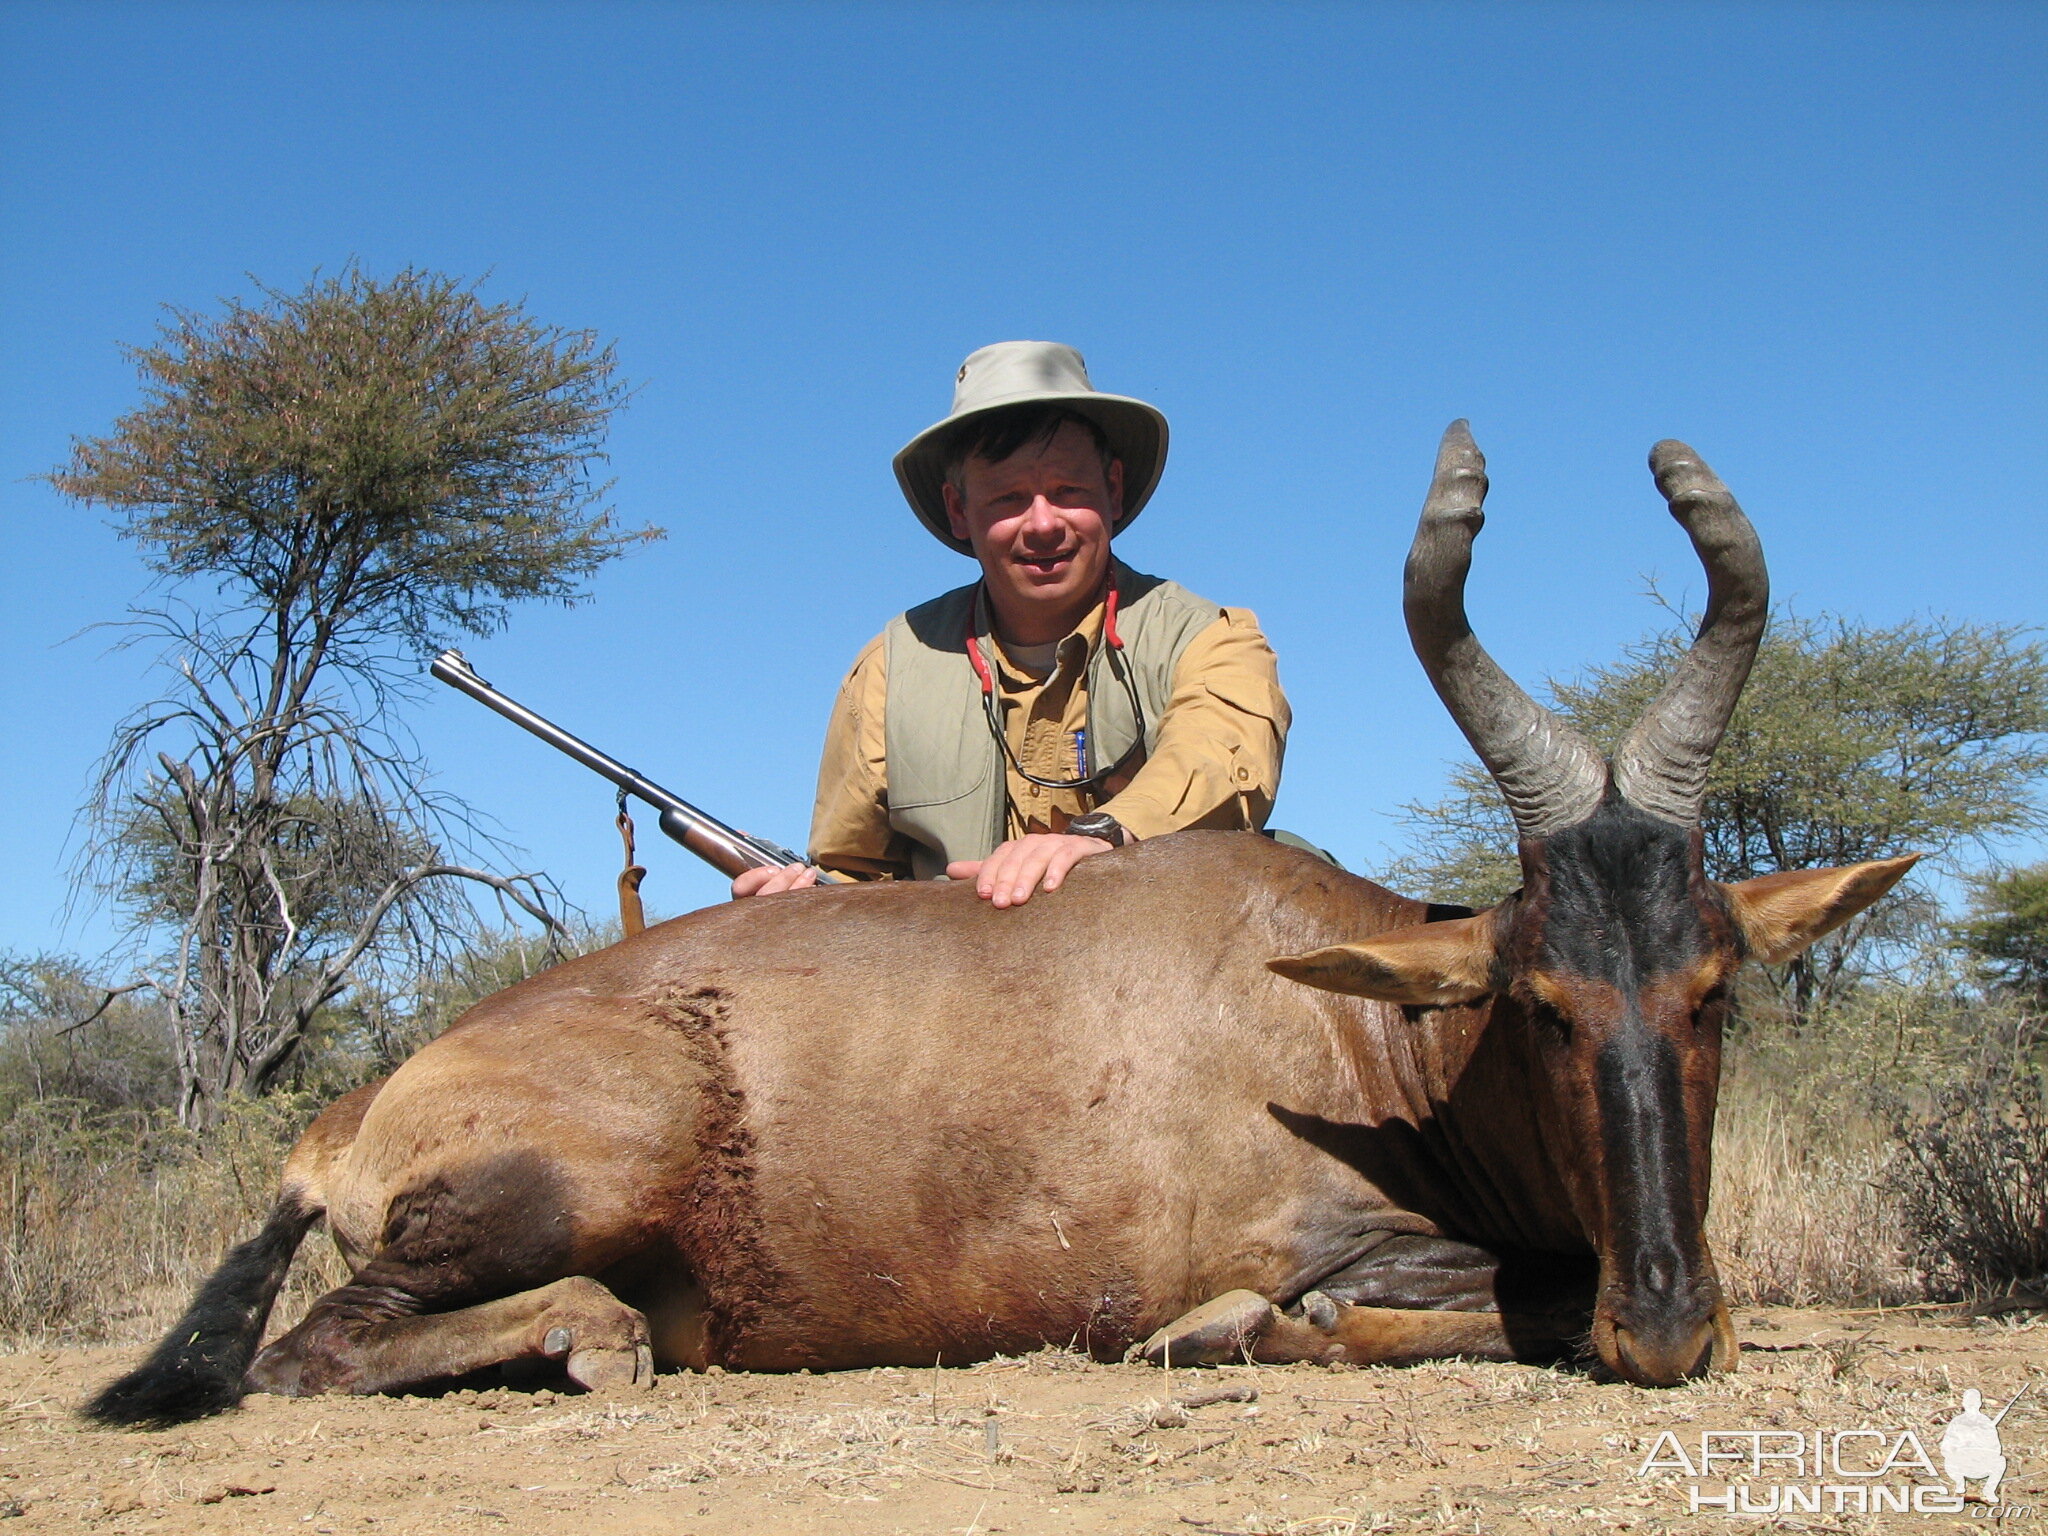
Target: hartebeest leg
(1545,1301)
(1333,1332)
(1423,1273)
(1409,1297)
(371,1338)
(1244,1325)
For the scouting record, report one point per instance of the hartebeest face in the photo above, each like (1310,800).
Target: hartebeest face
(1617,957)
(1612,965)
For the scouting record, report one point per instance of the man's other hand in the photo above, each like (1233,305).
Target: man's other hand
(772,878)
(1038,862)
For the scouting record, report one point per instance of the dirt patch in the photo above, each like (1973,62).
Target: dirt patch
(1048,1443)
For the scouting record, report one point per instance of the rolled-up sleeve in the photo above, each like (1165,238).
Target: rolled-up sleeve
(850,828)
(1217,759)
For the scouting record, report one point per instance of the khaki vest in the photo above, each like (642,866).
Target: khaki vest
(945,774)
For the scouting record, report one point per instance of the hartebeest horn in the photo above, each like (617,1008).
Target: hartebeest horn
(1551,776)
(1662,764)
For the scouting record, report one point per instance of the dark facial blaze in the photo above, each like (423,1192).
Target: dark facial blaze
(1621,949)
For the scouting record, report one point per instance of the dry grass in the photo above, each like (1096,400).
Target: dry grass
(1887,1151)
(109,1221)
(1799,1215)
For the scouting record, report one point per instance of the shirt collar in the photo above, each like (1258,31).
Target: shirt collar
(1073,651)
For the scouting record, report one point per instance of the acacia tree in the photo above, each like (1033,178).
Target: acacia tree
(2007,928)
(329,484)
(1851,742)
(65,1035)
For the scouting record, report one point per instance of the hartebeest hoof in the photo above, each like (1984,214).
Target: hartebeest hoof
(603,1370)
(1215,1332)
(601,1342)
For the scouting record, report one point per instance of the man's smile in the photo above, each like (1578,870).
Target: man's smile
(1048,564)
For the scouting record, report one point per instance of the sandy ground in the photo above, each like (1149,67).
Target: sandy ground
(1046,1443)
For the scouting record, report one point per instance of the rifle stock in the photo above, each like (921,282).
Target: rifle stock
(726,849)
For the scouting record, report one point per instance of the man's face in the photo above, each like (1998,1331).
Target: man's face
(1039,522)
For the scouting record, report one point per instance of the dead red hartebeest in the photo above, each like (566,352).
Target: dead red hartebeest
(1214,1096)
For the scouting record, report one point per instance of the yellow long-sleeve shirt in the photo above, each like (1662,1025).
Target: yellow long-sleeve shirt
(1216,762)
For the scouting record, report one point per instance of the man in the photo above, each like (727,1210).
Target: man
(1063,705)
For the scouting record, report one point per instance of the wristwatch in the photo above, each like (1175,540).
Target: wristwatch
(1100,824)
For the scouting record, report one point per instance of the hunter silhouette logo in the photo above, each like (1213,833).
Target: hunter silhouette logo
(1842,1471)
(1970,1446)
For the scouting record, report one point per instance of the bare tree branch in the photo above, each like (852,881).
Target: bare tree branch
(106,1002)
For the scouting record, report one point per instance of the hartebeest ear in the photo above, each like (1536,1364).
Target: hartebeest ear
(1781,914)
(1431,964)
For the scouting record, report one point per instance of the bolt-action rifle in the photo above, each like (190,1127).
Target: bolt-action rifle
(726,849)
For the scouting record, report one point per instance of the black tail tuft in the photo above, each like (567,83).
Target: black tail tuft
(198,1368)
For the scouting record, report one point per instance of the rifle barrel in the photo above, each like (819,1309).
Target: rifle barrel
(725,848)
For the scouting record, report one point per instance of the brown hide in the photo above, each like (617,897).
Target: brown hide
(887,1123)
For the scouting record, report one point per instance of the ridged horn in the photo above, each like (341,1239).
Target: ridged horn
(1551,776)
(1662,764)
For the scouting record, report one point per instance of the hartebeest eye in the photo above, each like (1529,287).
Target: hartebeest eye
(1549,999)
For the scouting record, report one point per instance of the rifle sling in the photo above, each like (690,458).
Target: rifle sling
(632,916)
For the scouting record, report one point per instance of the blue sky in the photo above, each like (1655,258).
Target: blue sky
(1807,239)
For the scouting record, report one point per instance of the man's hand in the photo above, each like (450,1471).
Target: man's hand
(1038,862)
(770,879)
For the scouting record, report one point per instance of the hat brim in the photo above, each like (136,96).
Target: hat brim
(1136,433)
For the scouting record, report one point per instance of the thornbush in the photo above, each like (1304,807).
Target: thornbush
(1970,1174)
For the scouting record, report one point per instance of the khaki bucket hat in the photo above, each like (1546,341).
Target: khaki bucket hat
(1030,373)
